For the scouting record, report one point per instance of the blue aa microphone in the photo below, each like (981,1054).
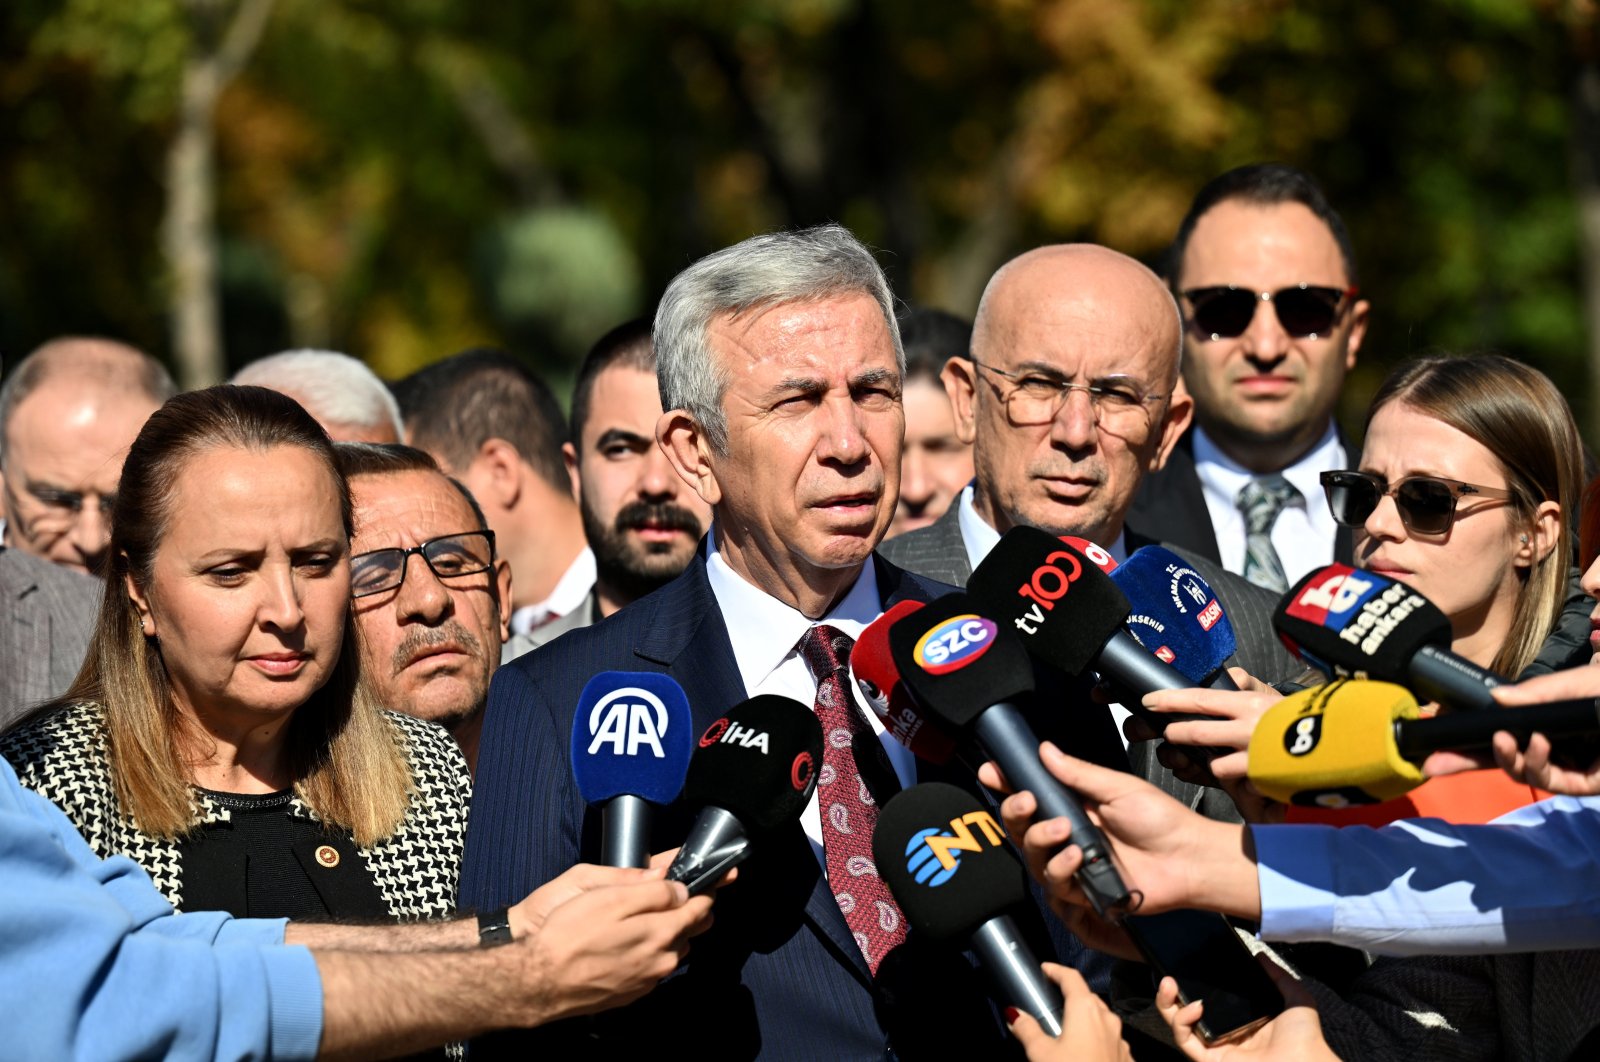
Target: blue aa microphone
(1177,616)
(631,740)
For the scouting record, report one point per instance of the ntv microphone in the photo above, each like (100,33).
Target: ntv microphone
(753,771)
(1353,624)
(965,671)
(631,739)
(1070,614)
(945,860)
(1360,742)
(872,666)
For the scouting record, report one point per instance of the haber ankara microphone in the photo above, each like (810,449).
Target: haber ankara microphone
(1354,624)
(1070,614)
(965,671)
(945,859)
(631,739)
(754,770)
(1359,742)
(872,666)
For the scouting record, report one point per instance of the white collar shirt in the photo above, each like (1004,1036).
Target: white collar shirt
(568,596)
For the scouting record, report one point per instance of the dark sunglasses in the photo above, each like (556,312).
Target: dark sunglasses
(1304,311)
(1427,504)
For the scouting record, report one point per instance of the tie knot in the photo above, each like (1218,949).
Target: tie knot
(1264,497)
(826,650)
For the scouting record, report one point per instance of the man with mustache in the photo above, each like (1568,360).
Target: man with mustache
(430,633)
(642,521)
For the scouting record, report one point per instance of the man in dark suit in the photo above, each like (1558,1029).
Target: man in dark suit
(780,371)
(1069,401)
(1242,487)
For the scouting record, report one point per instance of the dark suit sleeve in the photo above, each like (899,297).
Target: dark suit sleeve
(526,811)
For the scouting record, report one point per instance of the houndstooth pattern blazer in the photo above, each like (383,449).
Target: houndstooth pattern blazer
(63,756)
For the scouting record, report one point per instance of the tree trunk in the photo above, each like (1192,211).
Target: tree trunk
(1586,189)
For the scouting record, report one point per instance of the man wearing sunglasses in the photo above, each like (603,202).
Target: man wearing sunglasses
(1266,278)
(430,593)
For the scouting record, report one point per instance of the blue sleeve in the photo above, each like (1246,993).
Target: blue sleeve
(1525,882)
(526,815)
(124,976)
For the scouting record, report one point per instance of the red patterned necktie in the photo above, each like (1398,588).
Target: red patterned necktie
(847,807)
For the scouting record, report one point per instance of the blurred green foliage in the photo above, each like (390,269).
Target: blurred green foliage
(404,178)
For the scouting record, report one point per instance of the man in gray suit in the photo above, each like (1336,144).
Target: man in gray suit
(46,614)
(1069,401)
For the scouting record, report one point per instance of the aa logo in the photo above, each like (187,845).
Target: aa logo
(628,720)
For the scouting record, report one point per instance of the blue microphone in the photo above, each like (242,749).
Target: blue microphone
(1176,615)
(631,740)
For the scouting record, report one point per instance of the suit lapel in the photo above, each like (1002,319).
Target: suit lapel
(26,641)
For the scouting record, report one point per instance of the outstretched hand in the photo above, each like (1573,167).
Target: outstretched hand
(1293,1036)
(1089,1031)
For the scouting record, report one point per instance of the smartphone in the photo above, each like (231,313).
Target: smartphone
(1203,953)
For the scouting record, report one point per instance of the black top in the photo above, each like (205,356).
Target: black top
(268,863)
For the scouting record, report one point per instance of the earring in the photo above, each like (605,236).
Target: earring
(1524,540)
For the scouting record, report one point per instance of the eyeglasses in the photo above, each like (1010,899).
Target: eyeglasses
(50,509)
(1035,398)
(1427,504)
(1304,311)
(447,556)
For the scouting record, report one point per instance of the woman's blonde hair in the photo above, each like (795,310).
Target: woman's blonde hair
(346,759)
(1521,418)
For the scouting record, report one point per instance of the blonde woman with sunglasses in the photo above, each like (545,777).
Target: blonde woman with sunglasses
(1468,476)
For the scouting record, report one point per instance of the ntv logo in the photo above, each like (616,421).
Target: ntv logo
(628,719)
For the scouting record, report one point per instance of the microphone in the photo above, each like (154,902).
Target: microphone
(1359,742)
(945,859)
(1070,614)
(966,670)
(753,771)
(1177,616)
(872,665)
(1354,624)
(631,738)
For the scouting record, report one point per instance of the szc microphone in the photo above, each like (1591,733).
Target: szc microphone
(872,666)
(965,671)
(1354,624)
(753,771)
(945,859)
(631,738)
(1070,614)
(1360,742)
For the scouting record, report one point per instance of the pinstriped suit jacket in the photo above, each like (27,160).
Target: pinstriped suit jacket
(779,976)
(46,614)
(939,552)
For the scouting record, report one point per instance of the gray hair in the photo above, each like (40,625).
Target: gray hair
(91,362)
(807,264)
(334,388)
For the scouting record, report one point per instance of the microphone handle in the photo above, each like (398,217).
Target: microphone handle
(717,843)
(624,829)
(1473,731)
(1131,665)
(1016,973)
(1440,675)
(1005,737)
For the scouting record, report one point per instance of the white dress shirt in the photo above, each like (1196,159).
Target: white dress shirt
(980,538)
(1304,532)
(766,635)
(571,590)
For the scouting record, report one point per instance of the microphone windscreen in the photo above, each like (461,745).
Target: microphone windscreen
(759,761)
(945,859)
(1176,615)
(631,735)
(1351,623)
(1059,602)
(957,662)
(1333,746)
(1093,551)
(872,665)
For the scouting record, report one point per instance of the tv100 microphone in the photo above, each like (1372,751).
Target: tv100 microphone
(631,738)
(965,671)
(873,668)
(1354,624)
(945,859)
(1360,742)
(753,770)
(1070,614)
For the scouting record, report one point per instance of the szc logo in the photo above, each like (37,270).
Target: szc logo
(932,854)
